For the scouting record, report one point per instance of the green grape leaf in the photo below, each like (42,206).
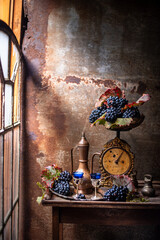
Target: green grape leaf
(48,176)
(41,186)
(120,122)
(100,120)
(39,199)
(123,121)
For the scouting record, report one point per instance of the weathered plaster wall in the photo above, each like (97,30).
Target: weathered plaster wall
(72,48)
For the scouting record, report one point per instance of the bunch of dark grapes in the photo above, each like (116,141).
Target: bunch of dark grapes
(116,194)
(114,101)
(114,110)
(81,196)
(65,176)
(61,185)
(132,112)
(96,113)
(111,114)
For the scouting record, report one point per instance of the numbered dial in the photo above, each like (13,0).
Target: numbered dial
(116,161)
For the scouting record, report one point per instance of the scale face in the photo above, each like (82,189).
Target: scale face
(115,159)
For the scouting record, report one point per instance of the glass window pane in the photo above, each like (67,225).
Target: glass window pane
(8,105)
(1,178)
(4,48)
(16,108)
(15,163)
(14,62)
(7,230)
(15,223)
(7,171)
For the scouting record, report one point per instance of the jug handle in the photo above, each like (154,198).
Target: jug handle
(97,153)
(72,159)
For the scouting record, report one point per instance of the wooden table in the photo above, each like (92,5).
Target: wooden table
(102,212)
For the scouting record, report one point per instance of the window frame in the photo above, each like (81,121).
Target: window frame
(11,128)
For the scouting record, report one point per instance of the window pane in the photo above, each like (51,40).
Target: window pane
(8,105)
(1,177)
(7,230)
(15,223)
(7,171)
(14,62)
(15,163)
(4,48)
(16,107)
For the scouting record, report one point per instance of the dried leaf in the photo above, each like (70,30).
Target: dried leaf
(144,98)
(123,180)
(109,92)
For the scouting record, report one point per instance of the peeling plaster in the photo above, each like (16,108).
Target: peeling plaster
(41,160)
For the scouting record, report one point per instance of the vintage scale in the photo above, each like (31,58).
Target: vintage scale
(116,157)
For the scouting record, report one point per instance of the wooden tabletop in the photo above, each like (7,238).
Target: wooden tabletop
(151,203)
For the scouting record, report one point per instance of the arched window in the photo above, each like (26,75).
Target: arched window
(10,123)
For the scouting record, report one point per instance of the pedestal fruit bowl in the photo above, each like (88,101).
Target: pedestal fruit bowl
(115,112)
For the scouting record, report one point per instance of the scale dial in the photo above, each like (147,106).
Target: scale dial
(116,161)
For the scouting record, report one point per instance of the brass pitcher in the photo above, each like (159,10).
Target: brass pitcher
(85,187)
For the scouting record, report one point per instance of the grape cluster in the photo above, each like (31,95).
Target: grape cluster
(113,109)
(81,196)
(96,113)
(65,176)
(114,101)
(132,112)
(112,114)
(116,194)
(61,185)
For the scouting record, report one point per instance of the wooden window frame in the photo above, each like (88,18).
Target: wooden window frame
(12,39)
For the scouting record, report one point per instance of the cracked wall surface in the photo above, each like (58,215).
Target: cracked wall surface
(74,50)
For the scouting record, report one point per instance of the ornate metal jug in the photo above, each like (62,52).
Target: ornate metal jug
(83,146)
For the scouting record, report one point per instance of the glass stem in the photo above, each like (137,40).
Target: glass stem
(95,190)
(77,189)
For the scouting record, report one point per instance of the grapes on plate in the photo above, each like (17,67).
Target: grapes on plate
(61,185)
(116,194)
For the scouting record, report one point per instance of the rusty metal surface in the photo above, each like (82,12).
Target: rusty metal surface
(74,50)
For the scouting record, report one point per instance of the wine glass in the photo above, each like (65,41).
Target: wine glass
(77,179)
(95,178)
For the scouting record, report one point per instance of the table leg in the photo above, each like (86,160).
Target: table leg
(61,231)
(56,226)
